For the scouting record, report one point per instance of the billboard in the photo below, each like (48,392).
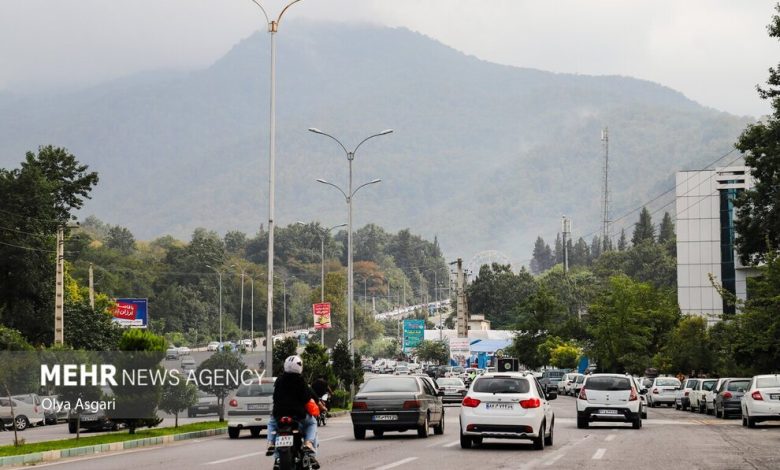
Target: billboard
(321,316)
(131,313)
(459,350)
(414,332)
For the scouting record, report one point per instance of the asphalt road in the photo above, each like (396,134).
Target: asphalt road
(669,440)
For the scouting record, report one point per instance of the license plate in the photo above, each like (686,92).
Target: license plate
(385,417)
(608,412)
(284,441)
(774,396)
(89,418)
(256,406)
(203,407)
(499,406)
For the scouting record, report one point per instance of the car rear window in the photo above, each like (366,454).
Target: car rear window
(580,379)
(455,382)
(501,385)
(608,384)
(707,386)
(691,383)
(738,385)
(765,382)
(391,385)
(255,390)
(667,382)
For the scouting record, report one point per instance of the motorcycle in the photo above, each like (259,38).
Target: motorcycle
(322,418)
(289,447)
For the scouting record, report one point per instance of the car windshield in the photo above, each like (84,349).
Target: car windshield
(667,382)
(255,390)
(450,382)
(608,384)
(457,370)
(390,385)
(501,385)
(766,382)
(737,385)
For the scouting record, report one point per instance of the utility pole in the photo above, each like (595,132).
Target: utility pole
(91,288)
(463,316)
(241,320)
(605,197)
(59,293)
(566,229)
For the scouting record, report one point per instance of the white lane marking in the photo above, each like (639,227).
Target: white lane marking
(237,457)
(553,460)
(609,438)
(453,443)
(331,438)
(397,464)
(599,454)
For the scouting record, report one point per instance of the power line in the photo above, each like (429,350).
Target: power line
(29,248)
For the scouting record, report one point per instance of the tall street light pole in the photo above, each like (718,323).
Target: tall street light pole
(273,27)
(219,274)
(348,196)
(252,312)
(241,320)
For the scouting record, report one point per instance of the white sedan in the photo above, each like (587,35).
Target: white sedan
(761,402)
(507,406)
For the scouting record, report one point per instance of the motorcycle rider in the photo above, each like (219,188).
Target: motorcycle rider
(321,388)
(291,394)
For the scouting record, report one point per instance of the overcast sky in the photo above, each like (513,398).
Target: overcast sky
(714,51)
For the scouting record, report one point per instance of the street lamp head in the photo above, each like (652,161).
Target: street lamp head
(299,223)
(386,131)
(316,131)
(320,180)
(375,181)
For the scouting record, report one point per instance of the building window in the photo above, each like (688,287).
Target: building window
(727,266)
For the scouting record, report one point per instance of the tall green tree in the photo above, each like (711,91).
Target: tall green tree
(177,395)
(622,241)
(35,199)
(216,366)
(643,229)
(758,209)
(666,230)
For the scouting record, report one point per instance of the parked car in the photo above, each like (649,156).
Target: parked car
(702,387)
(91,420)
(507,406)
(709,397)
(608,397)
(250,407)
(397,403)
(212,346)
(53,415)
(761,401)
(49,415)
(577,386)
(682,396)
(206,404)
(662,391)
(184,351)
(728,398)
(642,397)
(24,414)
(172,353)
(401,370)
(565,386)
(454,389)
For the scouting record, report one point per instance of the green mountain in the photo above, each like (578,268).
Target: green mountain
(485,156)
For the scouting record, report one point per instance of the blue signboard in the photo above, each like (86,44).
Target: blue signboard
(131,313)
(414,333)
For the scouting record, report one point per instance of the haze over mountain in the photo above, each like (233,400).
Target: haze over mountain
(485,156)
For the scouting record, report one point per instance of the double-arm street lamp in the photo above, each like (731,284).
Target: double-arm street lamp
(348,196)
(273,27)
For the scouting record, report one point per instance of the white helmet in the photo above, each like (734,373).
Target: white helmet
(293,365)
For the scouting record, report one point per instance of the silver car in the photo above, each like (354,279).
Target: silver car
(662,391)
(682,397)
(24,414)
(250,407)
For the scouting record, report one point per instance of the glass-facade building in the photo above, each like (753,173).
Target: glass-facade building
(706,257)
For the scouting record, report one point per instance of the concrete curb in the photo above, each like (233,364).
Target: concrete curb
(51,455)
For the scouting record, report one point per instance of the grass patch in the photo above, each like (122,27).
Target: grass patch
(119,436)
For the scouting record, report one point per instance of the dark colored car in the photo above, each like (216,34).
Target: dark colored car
(397,403)
(92,421)
(206,404)
(728,398)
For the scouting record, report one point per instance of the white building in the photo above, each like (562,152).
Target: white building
(705,240)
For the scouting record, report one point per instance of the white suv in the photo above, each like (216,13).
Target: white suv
(762,400)
(608,397)
(507,406)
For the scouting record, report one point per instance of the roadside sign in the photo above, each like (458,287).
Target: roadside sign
(414,332)
(321,316)
(131,313)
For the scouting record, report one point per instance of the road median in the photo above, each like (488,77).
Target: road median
(54,450)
